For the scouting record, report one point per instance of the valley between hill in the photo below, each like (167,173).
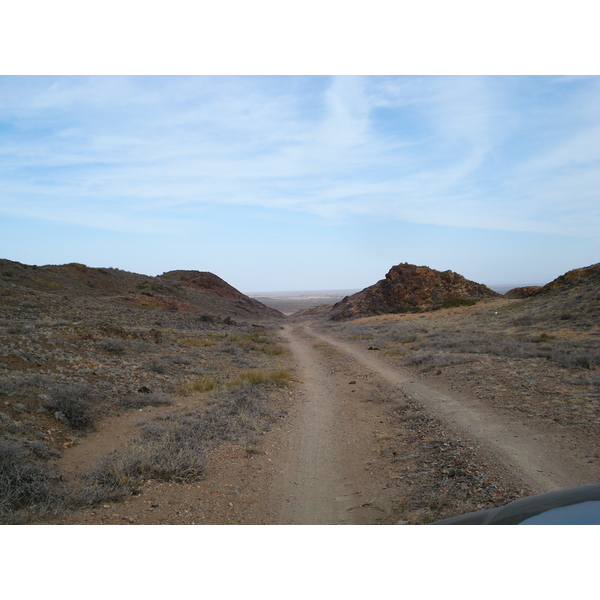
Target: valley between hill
(362,442)
(120,415)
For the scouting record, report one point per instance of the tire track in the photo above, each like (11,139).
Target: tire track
(324,475)
(538,457)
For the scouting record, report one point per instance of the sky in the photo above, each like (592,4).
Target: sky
(302,182)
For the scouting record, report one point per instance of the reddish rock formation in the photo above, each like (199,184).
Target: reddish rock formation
(408,288)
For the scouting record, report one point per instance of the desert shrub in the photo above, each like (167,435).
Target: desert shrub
(141,400)
(383,392)
(40,450)
(7,424)
(7,386)
(228,347)
(258,338)
(159,366)
(453,341)
(114,331)
(26,487)
(16,328)
(525,321)
(253,341)
(72,404)
(171,450)
(198,342)
(198,371)
(455,301)
(236,414)
(37,379)
(114,345)
(582,358)
(278,377)
(20,385)
(200,384)
(430,360)
(543,337)
(179,359)
(276,350)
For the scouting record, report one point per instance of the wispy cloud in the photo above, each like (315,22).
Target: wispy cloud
(520,154)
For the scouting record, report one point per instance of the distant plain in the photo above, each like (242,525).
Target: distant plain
(289,302)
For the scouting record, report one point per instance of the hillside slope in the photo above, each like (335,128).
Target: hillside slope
(186,291)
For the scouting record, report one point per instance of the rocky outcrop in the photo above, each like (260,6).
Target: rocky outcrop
(409,288)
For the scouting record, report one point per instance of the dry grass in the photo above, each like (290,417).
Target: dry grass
(200,384)
(277,377)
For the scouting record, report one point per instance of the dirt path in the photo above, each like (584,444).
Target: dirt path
(545,460)
(325,472)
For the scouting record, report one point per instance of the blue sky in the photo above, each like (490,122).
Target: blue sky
(303,182)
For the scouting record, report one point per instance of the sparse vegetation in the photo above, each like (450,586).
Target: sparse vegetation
(198,343)
(72,405)
(200,384)
(115,345)
(455,302)
(173,448)
(141,400)
(27,487)
(543,337)
(163,451)
(278,377)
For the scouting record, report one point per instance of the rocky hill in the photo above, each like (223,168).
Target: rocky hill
(409,288)
(570,280)
(574,278)
(194,292)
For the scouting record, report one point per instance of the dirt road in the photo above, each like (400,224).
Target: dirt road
(331,438)
(326,473)
(546,460)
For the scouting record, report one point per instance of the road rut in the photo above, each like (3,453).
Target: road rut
(326,450)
